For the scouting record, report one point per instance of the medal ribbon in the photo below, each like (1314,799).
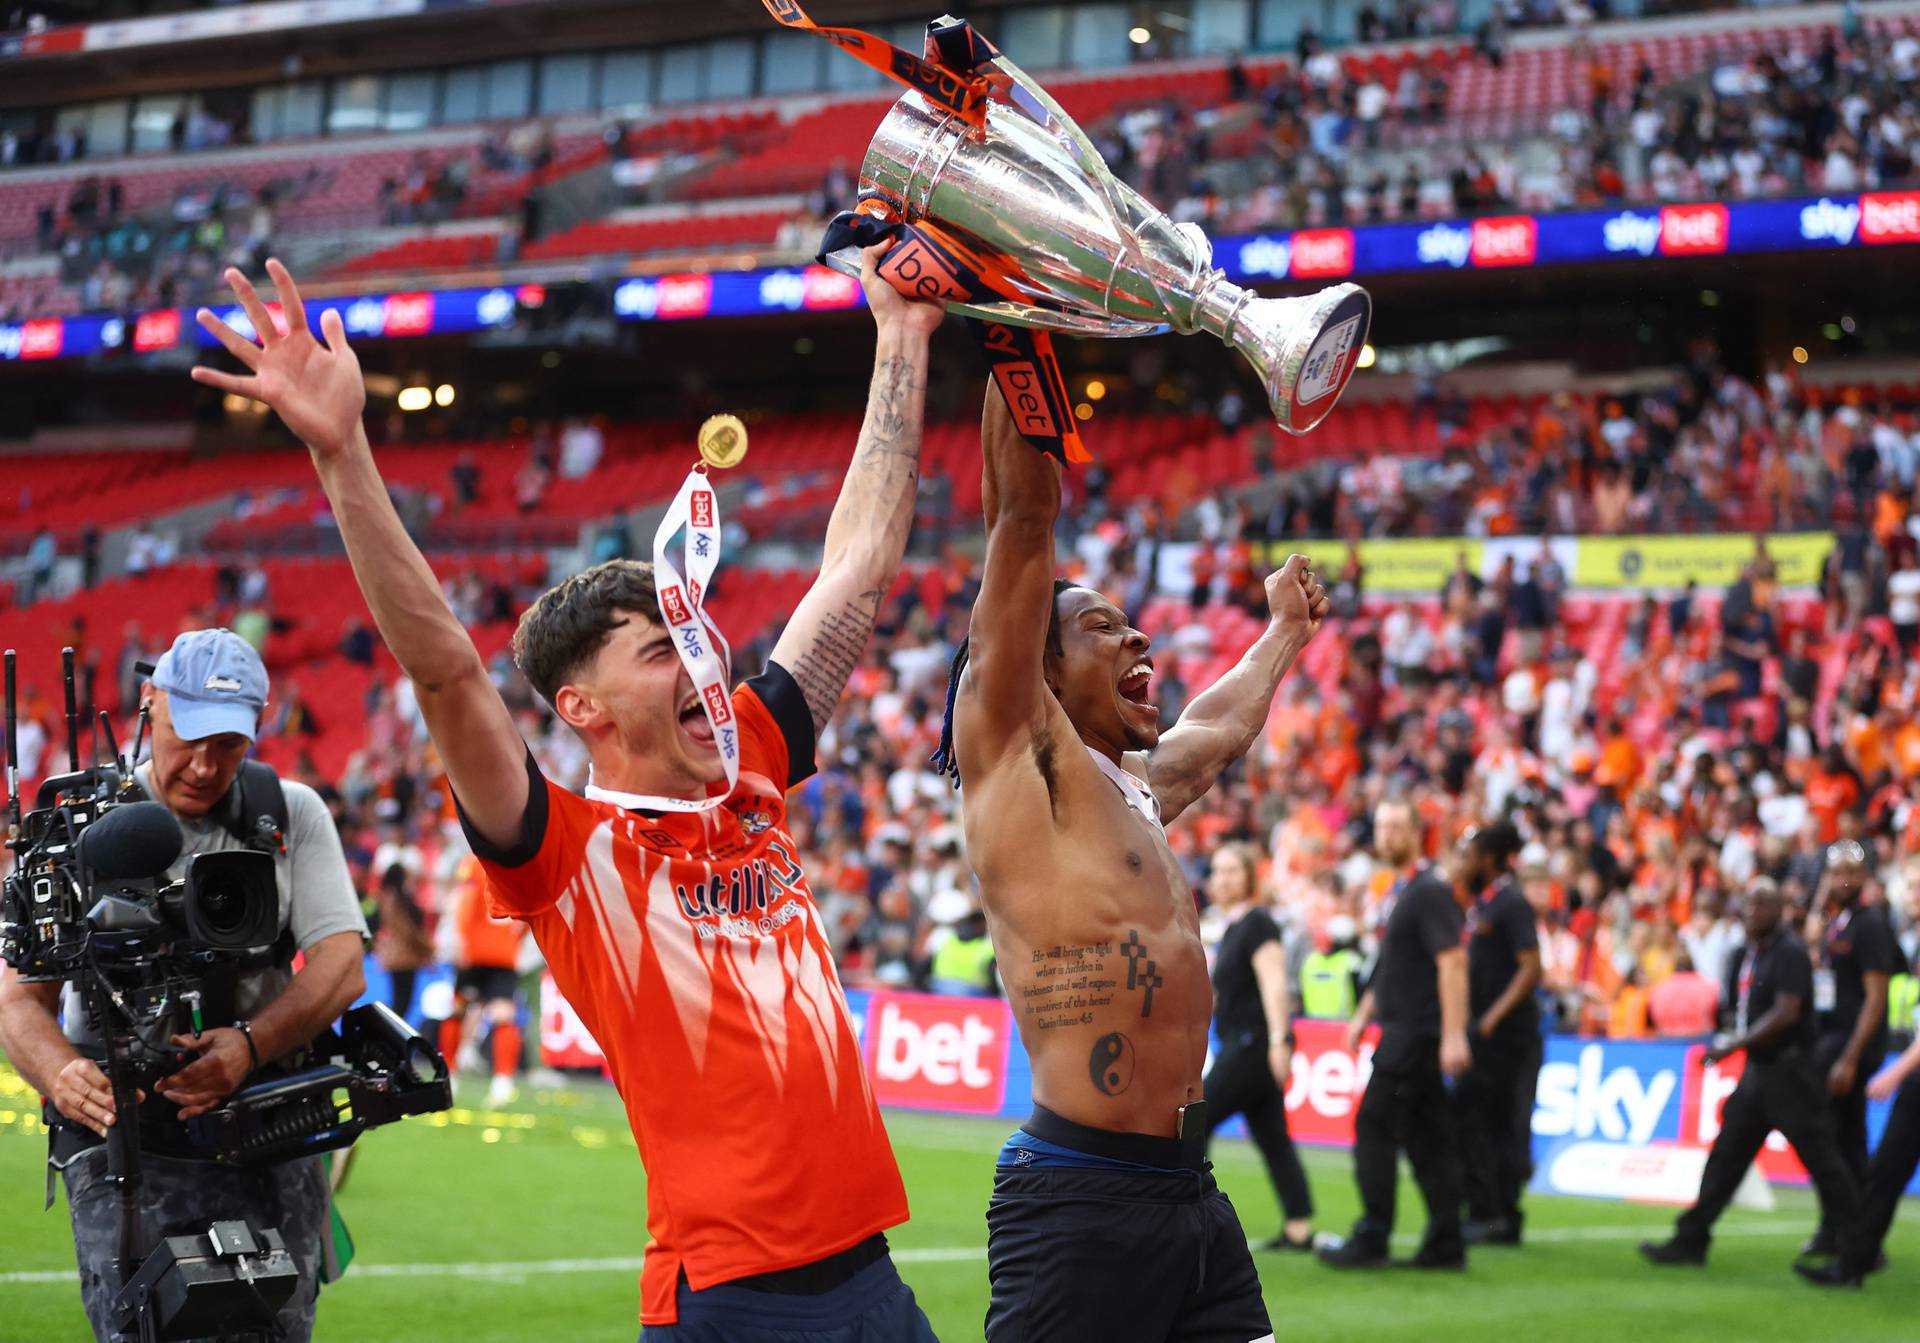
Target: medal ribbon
(703,650)
(956,88)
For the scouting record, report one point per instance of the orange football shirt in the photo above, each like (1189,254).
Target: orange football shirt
(484,940)
(691,948)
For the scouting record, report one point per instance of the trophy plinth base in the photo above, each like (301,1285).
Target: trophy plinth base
(1305,349)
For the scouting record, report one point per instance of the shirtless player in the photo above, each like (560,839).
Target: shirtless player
(1105,1222)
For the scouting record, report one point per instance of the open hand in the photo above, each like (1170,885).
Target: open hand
(1884,1085)
(1296,597)
(316,389)
(223,1064)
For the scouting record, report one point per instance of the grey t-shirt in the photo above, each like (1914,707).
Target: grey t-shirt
(317,898)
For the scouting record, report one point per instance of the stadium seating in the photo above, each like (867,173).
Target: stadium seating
(432,251)
(681,232)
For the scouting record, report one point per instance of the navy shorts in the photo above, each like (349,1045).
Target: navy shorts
(873,1306)
(1096,1237)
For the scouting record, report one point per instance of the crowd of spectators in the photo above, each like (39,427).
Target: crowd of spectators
(1707,451)
(1324,142)
(169,254)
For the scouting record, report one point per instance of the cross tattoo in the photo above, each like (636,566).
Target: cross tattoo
(1141,972)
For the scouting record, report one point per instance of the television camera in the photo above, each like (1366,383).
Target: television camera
(90,902)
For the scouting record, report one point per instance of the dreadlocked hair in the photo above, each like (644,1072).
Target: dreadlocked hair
(946,761)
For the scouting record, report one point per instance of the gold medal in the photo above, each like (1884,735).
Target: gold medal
(723,441)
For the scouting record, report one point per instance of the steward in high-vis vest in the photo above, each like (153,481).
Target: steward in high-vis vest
(963,966)
(1330,978)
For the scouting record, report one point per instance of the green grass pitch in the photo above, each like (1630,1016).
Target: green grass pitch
(479,1227)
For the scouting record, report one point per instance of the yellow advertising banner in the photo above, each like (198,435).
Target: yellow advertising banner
(1393,564)
(1710,561)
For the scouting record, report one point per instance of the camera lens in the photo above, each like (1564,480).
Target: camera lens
(222,908)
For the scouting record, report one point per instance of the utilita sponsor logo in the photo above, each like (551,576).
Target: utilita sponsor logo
(1318,253)
(1891,216)
(1509,241)
(1444,245)
(1830,221)
(1586,1099)
(940,1053)
(1693,230)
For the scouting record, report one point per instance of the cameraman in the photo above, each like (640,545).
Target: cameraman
(206,697)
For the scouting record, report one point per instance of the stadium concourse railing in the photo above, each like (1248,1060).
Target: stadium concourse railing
(1624,234)
(1615,1119)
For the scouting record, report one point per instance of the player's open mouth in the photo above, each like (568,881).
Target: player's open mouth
(1137,684)
(693,721)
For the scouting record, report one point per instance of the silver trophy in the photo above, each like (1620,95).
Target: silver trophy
(1087,254)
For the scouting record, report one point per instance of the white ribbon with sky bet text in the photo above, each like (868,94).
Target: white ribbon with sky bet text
(703,651)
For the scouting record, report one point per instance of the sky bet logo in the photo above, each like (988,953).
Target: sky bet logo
(1829,221)
(1266,256)
(674,603)
(1632,232)
(1890,216)
(937,1053)
(1678,230)
(1587,1099)
(1443,244)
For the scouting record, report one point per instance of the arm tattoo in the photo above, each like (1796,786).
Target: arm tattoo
(892,380)
(1068,983)
(1111,1063)
(822,671)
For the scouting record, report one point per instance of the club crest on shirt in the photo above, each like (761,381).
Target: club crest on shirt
(755,822)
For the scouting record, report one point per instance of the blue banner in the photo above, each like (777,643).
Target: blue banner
(1635,233)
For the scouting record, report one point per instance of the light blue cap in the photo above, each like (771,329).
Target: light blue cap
(215,683)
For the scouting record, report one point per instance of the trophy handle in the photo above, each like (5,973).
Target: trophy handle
(1068,132)
(847,262)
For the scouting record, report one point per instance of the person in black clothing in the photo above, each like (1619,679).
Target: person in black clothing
(1496,1097)
(1858,956)
(1771,987)
(1252,1013)
(1893,1165)
(1419,997)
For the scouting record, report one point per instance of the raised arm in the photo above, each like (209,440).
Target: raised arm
(867,534)
(1222,721)
(317,391)
(1002,700)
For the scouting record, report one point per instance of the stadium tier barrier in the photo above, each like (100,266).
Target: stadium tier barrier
(1628,1120)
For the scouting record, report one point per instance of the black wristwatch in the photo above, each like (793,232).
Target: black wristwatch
(246,1028)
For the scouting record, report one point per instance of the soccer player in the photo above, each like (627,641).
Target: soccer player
(488,959)
(1105,1221)
(687,939)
